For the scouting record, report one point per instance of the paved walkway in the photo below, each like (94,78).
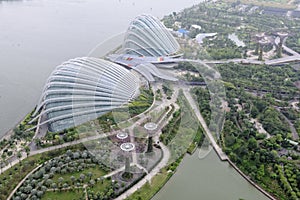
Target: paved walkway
(291,125)
(194,106)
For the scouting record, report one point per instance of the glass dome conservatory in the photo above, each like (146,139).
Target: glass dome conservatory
(83,89)
(147,36)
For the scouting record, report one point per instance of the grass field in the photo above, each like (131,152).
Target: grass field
(150,189)
(99,187)
(65,195)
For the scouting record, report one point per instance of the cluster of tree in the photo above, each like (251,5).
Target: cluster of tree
(55,138)
(142,103)
(293,40)
(273,122)
(107,194)
(170,130)
(167,89)
(253,153)
(11,177)
(186,66)
(17,142)
(291,113)
(222,48)
(203,99)
(49,176)
(261,79)
(285,184)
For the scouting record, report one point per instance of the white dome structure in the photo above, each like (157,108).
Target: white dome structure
(147,36)
(83,89)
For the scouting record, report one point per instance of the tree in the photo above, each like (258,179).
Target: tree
(44,188)
(53,186)
(92,183)
(73,179)
(84,155)
(49,182)
(34,192)
(27,189)
(19,155)
(90,174)
(252,143)
(38,142)
(65,185)
(40,194)
(260,172)
(82,177)
(60,181)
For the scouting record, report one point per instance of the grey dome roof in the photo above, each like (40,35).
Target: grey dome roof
(147,36)
(83,89)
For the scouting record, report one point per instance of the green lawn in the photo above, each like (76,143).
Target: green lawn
(65,195)
(149,190)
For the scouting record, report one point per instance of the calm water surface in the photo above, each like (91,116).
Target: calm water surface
(207,179)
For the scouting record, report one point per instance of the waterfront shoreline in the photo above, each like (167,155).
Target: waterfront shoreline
(247,178)
(10,132)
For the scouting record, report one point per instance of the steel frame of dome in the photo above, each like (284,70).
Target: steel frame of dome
(83,89)
(147,36)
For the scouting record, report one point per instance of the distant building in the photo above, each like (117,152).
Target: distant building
(182,32)
(196,27)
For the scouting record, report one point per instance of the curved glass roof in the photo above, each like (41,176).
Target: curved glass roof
(83,89)
(147,36)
